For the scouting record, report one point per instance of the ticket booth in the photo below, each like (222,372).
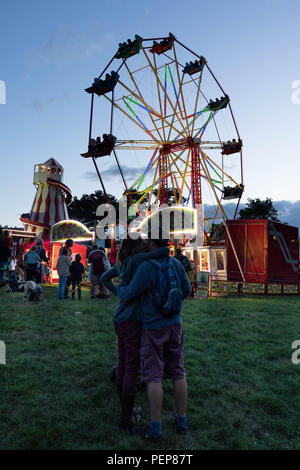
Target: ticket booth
(210,263)
(212,266)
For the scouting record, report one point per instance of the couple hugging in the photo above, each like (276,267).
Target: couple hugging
(148,324)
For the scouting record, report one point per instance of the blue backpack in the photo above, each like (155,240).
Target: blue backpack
(31,260)
(168,293)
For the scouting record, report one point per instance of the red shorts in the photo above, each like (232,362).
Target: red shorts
(162,354)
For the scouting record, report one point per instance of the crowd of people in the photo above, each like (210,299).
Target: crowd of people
(147,320)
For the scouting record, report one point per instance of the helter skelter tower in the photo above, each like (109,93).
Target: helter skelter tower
(51,199)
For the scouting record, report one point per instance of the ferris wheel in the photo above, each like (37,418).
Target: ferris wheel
(167,118)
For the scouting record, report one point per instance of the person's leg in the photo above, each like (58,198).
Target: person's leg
(174,368)
(29,275)
(180,395)
(155,398)
(62,286)
(38,276)
(79,289)
(59,287)
(73,289)
(152,369)
(67,285)
(132,338)
(121,356)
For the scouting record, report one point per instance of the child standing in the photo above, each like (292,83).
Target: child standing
(76,271)
(63,269)
(12,276)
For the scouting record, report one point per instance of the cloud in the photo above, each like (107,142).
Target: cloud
(289,212)
(66,46)
(129,172)
(38,104)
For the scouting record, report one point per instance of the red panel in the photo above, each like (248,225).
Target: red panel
(76,248)
(283,250)
(237,232)
(256,250)
(267,251)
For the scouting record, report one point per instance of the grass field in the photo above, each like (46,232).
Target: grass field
(243,388)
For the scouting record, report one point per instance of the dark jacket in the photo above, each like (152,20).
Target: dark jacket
(144,283)
(76,271)
(42,254)
(132,309)
(4,252)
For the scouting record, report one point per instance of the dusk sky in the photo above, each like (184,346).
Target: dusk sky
(51,51)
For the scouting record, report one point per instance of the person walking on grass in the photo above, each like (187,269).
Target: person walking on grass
(162,284)
(97,260)
(76,271)
(63,270)
(127,320)
(68,245)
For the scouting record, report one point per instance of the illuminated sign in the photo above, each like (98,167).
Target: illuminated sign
(73,229)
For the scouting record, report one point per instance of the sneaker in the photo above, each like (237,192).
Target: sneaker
(145,434)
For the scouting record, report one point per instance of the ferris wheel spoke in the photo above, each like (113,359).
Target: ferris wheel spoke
(140,179)
(177,102)
(162,87)
(181,175)
(131,118)
(178,157)
(144,105)
(196,102)
(206,172)
(159,97)
(214,163)
(142,99)
(181,83)
(184,174)
(173,185)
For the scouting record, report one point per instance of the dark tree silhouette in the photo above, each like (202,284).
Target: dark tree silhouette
(84,209)
(259,209)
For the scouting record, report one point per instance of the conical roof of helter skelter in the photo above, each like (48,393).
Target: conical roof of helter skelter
(52,162)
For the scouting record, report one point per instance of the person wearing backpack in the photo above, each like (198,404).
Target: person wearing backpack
(127,322)
(32,264)
(163,283)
